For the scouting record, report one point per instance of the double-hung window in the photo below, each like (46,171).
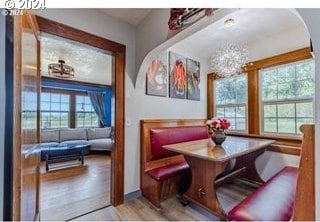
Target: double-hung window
(230,99)
(29,110)
(55,110)
(85,114)
(287,97)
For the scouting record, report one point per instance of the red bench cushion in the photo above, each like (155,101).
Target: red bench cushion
(166,172)
(272,201)
(170,135)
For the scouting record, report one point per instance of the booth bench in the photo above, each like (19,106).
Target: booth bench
(288,195)
(164,173)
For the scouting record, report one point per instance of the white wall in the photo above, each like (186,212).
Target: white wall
(2,104)
(311,18)
(286,41)
(148,36)
(269,163)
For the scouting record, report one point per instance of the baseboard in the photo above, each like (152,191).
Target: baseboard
(132,195)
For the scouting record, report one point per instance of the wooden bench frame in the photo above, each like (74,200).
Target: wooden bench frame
(153,190)
(304,208)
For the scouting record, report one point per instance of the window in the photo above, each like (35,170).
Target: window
(230,96)
(85,114)
(29,110)
(287,94)
(55,110)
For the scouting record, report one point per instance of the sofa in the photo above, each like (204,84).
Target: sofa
(98,138)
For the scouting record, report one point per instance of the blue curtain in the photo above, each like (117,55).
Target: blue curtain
(99,105)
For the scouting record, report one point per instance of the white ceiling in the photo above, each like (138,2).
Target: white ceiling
(90,64)
(132,16)
(265,32)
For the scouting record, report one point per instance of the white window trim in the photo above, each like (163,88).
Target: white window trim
(54,111)
(84,126)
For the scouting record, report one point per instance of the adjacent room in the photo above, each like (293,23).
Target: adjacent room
(76,128)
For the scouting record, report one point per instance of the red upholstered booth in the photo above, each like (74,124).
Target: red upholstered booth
(288,195)
(273,201)
(163,172)
(171,135)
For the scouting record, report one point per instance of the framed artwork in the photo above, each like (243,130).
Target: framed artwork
(157,76)
(178,76)
(193,80)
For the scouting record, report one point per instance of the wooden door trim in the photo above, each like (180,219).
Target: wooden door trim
(118,51)
(19,138)
(17,24)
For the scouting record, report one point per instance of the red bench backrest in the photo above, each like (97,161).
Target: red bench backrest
(170,135)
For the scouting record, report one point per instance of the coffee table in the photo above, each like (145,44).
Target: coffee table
(63,152)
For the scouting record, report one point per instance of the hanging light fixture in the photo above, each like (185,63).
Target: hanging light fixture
(229,60)
(61,70)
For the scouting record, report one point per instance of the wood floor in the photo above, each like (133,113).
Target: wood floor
(139,209)
(68,192)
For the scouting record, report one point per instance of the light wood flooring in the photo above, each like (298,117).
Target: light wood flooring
(69,191)
(139,209)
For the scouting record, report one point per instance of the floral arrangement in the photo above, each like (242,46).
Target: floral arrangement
(218,124)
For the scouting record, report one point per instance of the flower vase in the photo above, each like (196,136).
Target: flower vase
(218,137)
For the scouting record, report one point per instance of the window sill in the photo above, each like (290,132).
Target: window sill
(266,136)
(285,149)
(284,144)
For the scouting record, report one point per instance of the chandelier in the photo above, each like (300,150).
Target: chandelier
(61,70)
(229,60)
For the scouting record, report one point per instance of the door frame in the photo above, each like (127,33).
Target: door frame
(118,83)
(8,138)
(16,151)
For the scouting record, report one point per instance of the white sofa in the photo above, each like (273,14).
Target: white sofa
(98,138)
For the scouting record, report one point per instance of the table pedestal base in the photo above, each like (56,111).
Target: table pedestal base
(202,189)
(249,161)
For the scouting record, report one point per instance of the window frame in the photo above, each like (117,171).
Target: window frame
(245,104)
(283,143)
(55,111)
(84,112)
(281,101)
(25,111)
(72,110)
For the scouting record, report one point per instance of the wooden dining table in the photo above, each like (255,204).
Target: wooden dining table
(209,163)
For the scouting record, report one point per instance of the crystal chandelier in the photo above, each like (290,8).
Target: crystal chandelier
(61,70)
(229,60)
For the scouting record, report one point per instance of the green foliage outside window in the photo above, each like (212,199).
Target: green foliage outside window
(287,94)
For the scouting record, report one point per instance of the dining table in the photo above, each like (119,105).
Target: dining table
(211,165)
